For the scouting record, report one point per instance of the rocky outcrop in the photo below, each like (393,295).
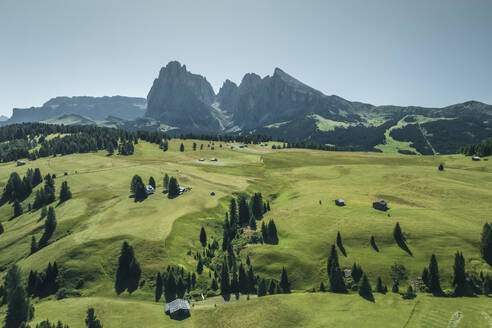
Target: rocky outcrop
(94,108)
(180,98)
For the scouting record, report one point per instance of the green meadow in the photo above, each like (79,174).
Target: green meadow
(440,212)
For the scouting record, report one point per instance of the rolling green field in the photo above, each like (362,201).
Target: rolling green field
(439,212)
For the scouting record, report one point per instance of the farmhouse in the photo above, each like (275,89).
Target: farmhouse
(149,190)
(381,205)
(475,158)
(214,159)
(20,163)
(340,202)
(178,309)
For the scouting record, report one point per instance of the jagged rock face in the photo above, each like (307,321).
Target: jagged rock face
(95,108)
(227,96)
(281,97)
(180,98)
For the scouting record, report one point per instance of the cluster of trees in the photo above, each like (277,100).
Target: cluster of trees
(137,188)
(18,189)
(269,233)
(482,149)
(128,272)
(274,287)
(246,139)
(126,148)
(172,187)
(42,284)
(45,195)
(174,283)
(19,308)
(335,273)
(17,140)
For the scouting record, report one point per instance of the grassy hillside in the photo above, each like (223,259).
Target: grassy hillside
(439,212)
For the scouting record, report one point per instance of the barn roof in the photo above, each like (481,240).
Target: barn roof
(176,305)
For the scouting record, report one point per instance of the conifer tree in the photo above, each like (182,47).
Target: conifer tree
(332,260)
(322,287)
(194,146)
(340,244)
(44,213)
(152,182)
(233,216)
(373,244)
(158,287)
(180,288)
(225,287)
(284,281)
(173,189)
(251,280)
(49,228)
(234,283)
(268,205)
(128,272)
(380,288)
(356,272)
(181,148)
(243,210)
(262,288)
(34,245)
(272,288)
(459,280)
(166,181)
(65,193)
(1,228)
(400,238)
(365,290)
(243,280)
(272,233)
(264,233)
(203,237)
(434,279)
(36,178)
(17,208)
(91,321)
(214,285)
(170,289)
(199,266)
(486,243)
(19,309)
(257,205)
(425,277)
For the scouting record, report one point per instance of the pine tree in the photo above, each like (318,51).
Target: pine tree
(268,206)
(400,238)
(251,280)
(340,244)
(158,287)
(36,178)
(17,208)
(152,182)
(272,288)
(262,288)
(356,272)
(332,260)
(203,237)
(44,213)
(365,290)
(272,233)
(136,180)
(243,210)
(410,294)
(166,181)
(335,275)
(459,280)
(128,272)
(243,280)
(91,321)
(264,233)
(180,288)
(49,228)
(194,146)
(380,288)
(373,244)
(199,266)
(425,277)
(65,193)
(19,309)
(225,287)
(34,245)
(322,287)
(181,148)
(257,205)
(1,228)
(214,285)
(284,281)
(486,243)
(434,279)
(173,189)
(170,288)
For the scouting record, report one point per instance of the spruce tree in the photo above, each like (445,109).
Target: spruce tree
(91,321)
(264,233)
(243,210)
(152,182)
(180,288)
(272,233)
(1,228)
(459,279)
(158,287)
(243,280)
(166,181)
(380,288)
(332,260)
(181,148)
(173,188)
(36,179)
(65,193)
(17,208)
(203,237)
(225,287)
(252,223)
(251,280)
(262,288)
(34,245)
(19,309)
(400,238)
(233,216)
(272,287)
(128,272)
(373,244)
(284,281)
(425,277)
(170,288)
(214,285)
(322,287)
(434,279)
(49,228)
(365,290)
(340,244)
(486,243)
(199,266)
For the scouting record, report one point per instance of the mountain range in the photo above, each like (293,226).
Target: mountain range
(279,106)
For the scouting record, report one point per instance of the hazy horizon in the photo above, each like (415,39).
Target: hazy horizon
(422,53)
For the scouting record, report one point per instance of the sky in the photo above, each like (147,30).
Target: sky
(400,52)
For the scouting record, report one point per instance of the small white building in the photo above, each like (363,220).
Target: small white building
(201,159)
(20,163)
(149,190)
(475,158)
(214,159)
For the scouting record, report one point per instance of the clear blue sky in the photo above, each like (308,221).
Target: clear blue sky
(402,52)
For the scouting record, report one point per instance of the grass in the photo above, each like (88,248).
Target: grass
(439,212)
